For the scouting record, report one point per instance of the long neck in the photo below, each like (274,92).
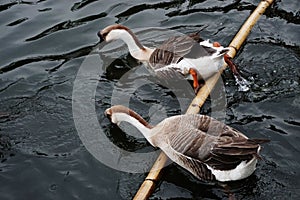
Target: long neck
(119,117)
(136,49)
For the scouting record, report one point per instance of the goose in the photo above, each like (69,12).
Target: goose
(209,149)
(190,55)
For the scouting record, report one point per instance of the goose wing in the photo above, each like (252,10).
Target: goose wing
(181,150)
(203,139)
(175,48)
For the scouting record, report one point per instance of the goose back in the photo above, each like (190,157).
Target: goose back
(198,141)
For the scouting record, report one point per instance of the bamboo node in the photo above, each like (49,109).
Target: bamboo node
(234,48)
(195,105)
(152,180)
(269,2)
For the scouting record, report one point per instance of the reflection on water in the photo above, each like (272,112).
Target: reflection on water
(44,43)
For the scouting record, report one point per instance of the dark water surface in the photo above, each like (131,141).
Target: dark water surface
(43,46)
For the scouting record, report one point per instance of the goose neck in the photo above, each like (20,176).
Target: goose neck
(136,49)
(123,117)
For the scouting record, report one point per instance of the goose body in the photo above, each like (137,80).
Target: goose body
(207,148)
(190,55)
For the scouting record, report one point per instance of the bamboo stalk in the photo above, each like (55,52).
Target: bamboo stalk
(148,186)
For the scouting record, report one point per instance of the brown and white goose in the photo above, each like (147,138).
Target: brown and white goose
(189,55)
(207,148)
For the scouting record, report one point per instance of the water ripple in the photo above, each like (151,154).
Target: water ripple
(142,7)
(81,4)
(18,21)
(65,57)
(66,25)
(7,6)
(235,5)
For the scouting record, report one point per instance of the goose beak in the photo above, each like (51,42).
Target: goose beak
(100,36)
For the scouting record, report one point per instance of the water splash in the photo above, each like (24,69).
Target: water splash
(242,83)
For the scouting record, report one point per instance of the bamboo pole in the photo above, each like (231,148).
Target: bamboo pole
(149,184)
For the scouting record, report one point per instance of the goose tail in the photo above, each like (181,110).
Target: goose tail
(240,147)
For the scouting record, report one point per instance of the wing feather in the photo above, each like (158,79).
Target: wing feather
(208,141)
(196,167)
(175,48)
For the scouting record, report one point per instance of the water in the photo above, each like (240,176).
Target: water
(44,44)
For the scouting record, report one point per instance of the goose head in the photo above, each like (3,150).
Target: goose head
(112,32)
(118,31)
(215,48)
(117,113)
